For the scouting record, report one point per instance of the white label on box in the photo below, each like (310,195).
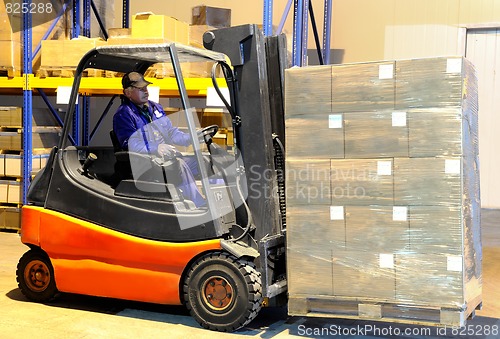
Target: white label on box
(454,263)
(214,100)
(398,119)
(400,213)
(335,121)
(386,260)
(386,71)
(384,167)
(454,65)
(336,212)
(154,93)
(452,166)
(63,93)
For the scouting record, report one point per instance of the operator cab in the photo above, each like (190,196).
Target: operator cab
(136,193)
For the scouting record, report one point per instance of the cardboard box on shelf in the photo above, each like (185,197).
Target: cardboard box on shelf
(149,25)
(196,34)
(211,16)
(66,53)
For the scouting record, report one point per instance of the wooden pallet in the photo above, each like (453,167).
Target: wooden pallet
(393,312)
(10,71)
(67,72)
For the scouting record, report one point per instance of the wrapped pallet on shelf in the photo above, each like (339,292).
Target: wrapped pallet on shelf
(384,224)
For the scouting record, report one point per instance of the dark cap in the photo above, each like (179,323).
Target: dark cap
(134,79)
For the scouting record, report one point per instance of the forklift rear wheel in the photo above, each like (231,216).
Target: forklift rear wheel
(223,293)
(35,276)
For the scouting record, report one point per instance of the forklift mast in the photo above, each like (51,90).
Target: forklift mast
(258,63)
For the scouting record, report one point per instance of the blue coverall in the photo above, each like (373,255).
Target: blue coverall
(138,133)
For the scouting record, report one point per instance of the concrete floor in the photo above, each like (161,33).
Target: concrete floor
(74,316)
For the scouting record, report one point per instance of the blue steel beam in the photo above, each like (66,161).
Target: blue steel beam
(327,30)
(268,17)
(126,14)
(27,100)
(300,29)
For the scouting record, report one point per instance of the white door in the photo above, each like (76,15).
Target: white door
(483,49)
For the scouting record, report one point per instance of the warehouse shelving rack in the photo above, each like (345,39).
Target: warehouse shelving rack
(303,10)
(27,83)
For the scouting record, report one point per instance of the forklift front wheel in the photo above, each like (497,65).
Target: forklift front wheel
(223,293)
(35,276)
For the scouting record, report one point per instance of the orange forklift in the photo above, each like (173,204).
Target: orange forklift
(95,225)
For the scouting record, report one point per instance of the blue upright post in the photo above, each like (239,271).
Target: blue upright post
(75,34)
(268,17)
(126,14)
(85,99)
(300,27)
(27,100)
(327,26)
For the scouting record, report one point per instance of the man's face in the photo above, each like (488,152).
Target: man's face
(138,95)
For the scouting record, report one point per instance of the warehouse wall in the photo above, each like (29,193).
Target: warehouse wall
(392,29)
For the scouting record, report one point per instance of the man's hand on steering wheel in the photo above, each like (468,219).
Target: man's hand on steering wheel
(166,151)
(206,133)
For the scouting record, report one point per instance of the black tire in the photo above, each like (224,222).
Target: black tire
(35,276)
(223,293)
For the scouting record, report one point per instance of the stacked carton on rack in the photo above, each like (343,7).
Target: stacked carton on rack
(383,190)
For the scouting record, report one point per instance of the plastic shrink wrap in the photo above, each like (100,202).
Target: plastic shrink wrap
(382,182)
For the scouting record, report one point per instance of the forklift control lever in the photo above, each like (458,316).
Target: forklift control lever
(88,162)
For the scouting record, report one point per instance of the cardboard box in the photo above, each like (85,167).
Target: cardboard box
(436,229)
(315,227)
(119,32)
(13,165)
(66,53)
(435,132)
(362,182)
(196,34)
(314,273)
(432,279)
(378,134)
(428,181)
(4,190)
(11,116)
(363,87)
(376,229)
(308,90)
(430,82)
(8,25)
(14,195)
(360,275)
(308,182)
(11,54)
(211,16)
(14,141)
(148,25)
(314,136)
(10,218)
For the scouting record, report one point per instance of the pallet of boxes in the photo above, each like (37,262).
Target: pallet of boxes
(383,191)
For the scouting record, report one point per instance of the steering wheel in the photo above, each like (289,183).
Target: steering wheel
(206,133)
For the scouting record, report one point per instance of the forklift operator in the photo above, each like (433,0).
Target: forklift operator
(134,119)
